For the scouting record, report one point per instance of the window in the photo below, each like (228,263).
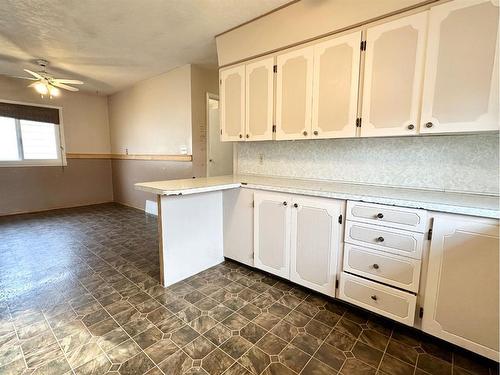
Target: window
(29,135)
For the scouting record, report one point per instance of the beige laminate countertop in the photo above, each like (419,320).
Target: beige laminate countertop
(459,203)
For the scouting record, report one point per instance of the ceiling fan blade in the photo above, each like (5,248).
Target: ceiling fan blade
(34,74)
(33,84)
(28,78)
(70,81)
(63,86)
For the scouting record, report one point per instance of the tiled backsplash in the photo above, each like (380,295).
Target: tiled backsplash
(464,163)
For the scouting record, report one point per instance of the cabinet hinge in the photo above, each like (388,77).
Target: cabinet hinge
(220,81)
(358,122)
(336,283)
(274,128)
(429,234)
(362,45)
(253,203)
(275,68)
(221,132)
(340,219)
(421,312)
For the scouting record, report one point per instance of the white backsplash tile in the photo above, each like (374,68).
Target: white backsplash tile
(461,163)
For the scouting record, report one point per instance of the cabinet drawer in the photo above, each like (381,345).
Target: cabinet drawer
(394,241)
(396,217)
(381,299)
(398,271)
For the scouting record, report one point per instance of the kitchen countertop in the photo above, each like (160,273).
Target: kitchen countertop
(459,203)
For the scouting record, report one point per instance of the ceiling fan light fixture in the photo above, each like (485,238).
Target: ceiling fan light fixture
(41,88)
(53,91)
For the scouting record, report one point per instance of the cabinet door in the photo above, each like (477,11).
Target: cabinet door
(315,243)
(232,99)
(272,233)
(462,294)
(294,94)
(461,71)
(335,87)
(259,100)
(393,74)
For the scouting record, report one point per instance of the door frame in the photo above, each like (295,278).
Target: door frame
(208,96)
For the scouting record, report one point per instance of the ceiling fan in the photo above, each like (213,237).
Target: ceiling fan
(46,84)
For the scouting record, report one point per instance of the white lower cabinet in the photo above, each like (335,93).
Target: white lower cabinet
(461,300)
(298,238)
(272,233)
(315,243)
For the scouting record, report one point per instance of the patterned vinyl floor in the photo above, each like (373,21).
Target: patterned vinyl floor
(79,294)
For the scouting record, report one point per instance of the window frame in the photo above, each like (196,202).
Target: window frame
(60,144)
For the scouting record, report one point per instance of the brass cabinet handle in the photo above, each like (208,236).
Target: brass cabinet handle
(285,203)
(248,135)
(380,239)
(315,132)
(380,215)
(295,205)
(374,297)
(376,266)
(411,126)
(241,136)
(304,132)
(429,125)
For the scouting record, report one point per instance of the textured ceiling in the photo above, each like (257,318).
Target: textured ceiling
(111,44)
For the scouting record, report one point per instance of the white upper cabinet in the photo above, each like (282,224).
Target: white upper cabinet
(335,87)
(272,233)
(461,71)
(294,94)
(232,99)
(315,243)
(461,301)
(392,78)
(259,100)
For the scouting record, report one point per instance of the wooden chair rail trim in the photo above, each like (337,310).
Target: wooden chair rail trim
(71,155)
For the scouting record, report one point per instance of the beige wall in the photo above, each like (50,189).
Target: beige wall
(85,117)
(153,116)
(202,81)
(298,22)
(29,189)
(127,172)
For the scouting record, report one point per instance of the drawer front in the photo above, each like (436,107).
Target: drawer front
(396,217)
(398,271)
(394,241)
(381,299)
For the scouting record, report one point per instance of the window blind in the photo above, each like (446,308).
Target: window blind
(30,113)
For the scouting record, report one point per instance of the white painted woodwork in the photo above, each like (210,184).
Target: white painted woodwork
(294,94)
(259,100)
(384,300)
(396,217)
(393,76)
(391,240)
(335,87)
(461,72)
(232,103)
(238,225)
(315,243)
(272,213)
(461,303)
(191,233)
(398,271)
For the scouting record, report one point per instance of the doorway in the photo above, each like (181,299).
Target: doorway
(219,154)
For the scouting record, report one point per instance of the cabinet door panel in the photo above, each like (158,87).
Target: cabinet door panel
(232,99)
(294,94)
(393,75)
(335,87)
(259,100)
(315,243)
(272,233)
(461,72)
(461,302)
